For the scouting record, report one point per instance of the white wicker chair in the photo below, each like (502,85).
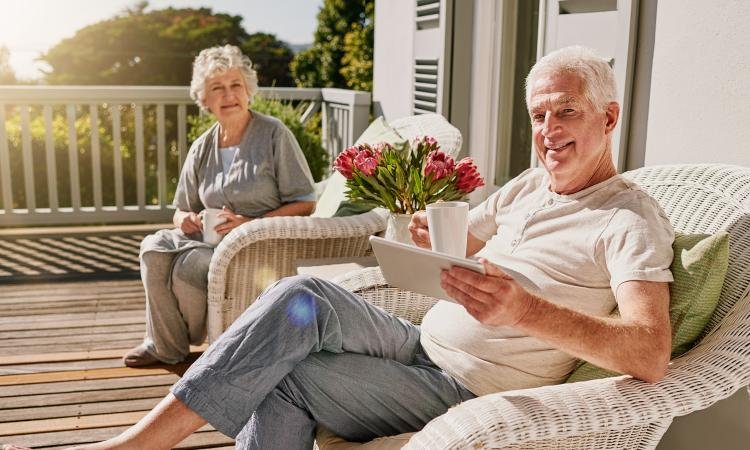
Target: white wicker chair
(618,412)
(262,251)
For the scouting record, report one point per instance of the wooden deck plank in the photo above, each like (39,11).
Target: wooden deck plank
(52,310)
(60,366)
(81,409)
(71,423)
(82,386)
(70,288)
(89,331)
(71,398)
(68,300)
(67,438)
(74,375)
(62,381)
(94,345)
(74,323)
(71,318)
(53,439)
(75,356)
(75,339)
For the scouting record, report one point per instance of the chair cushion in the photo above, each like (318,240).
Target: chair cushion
(699,267)
(326,440)
(334,193)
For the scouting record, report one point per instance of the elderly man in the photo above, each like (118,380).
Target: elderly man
(574,239)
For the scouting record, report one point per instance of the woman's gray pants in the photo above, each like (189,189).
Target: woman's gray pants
(306,352)
(176,289)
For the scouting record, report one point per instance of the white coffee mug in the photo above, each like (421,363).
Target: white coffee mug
(210,218)
(448,223)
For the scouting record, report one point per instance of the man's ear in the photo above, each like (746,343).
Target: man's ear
(613,113)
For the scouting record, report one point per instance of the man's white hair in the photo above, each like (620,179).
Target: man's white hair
(216,60)
(598,78)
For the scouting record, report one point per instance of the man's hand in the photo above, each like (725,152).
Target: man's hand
(420,234)
(232,220)
(494,299)
(189,222)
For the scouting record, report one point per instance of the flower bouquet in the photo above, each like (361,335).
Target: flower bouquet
(405,180)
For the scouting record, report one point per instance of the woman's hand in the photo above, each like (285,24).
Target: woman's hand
(232,220)
(188,222)
(494,299)
(420,234)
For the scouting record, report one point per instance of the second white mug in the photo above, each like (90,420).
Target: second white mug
(448,223)
(210,218)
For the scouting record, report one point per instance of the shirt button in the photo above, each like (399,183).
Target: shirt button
(528,216)
(514,243)
(550,202)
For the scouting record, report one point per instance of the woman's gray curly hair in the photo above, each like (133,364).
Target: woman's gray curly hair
(219,59)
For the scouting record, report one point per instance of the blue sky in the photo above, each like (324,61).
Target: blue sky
(30,27)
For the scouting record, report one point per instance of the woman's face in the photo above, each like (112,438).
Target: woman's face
(226,95)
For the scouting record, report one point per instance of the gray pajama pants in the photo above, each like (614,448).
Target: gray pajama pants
(176,290)
(306,352)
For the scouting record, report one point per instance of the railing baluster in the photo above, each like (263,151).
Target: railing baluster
(75,189)
(140,166)
(181,134)
(117,156)
(28,160)
(49,148)
(161,156)
(5,165)
(57,103)
(347,127)
(96,164)
(340,125)
(325,124)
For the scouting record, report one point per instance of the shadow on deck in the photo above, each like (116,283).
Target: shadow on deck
(62,380)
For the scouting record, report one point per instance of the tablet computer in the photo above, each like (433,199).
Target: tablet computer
(416,269)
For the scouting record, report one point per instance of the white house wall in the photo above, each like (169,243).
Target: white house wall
(393,53)
(700,83)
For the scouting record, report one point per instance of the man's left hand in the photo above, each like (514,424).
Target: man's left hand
(494,299)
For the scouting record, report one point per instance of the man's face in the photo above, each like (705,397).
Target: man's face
(571,137)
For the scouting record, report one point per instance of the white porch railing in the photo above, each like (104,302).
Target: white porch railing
(112,154)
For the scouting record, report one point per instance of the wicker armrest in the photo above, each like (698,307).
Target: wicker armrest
(262,251)
(370,285)
(603,413)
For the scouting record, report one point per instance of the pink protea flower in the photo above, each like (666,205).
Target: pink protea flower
(367,160)
(382,147)
(430,141)
(439,165)
(467,176)
(344,163)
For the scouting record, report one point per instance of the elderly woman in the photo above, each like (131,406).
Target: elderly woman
(247,164)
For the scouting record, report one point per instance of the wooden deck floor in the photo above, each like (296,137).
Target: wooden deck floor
(62,381)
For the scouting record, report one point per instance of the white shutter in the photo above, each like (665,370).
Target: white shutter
(610,28)
(432,56)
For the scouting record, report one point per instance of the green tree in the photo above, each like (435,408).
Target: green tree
(341,54)
(271,58)
(7,76)
(137,47)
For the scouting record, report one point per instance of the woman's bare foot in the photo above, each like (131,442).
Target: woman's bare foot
(139,357)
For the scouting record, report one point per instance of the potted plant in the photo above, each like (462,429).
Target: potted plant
(405,179)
